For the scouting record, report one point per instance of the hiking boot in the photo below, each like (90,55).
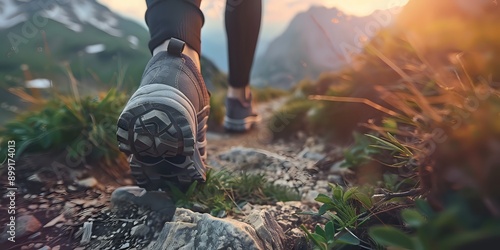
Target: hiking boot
(240,117)
(163,126)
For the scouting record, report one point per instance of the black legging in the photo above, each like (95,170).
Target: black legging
(183,19)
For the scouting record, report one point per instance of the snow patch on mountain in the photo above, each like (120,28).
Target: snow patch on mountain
(10,14)
(96,48)
(58,14)
(74,14)
(134,42)
(87,13)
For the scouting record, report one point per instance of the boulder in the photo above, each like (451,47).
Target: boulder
(191,230)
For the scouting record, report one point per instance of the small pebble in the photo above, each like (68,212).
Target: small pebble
(125,246)
(35,235)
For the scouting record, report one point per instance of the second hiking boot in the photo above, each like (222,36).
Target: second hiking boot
(163,126)
(240,117)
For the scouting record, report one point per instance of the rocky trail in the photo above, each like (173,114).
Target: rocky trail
(94,214)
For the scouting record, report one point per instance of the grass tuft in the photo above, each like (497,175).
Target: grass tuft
(80,128)
(225,191)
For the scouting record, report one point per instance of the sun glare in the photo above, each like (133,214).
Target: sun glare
(363,7)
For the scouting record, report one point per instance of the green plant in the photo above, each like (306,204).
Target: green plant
(217,109)
(326,238)
(359,153)
(395,182)
(345,207)
(83,128)
(225,191)
(399,151)
(290,118)
(267,94)
(345,210)
(462,225)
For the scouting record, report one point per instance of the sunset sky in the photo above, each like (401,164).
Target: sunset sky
(276,16)
(277,13)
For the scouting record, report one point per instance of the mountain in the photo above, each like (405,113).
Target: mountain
(100,47)
(317,40)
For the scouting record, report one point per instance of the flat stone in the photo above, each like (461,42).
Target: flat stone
(44,206)
(140,230)
(268,230)
(156,201)
(125,246)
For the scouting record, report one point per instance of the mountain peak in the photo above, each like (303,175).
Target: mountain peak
(317,40)
(74,14)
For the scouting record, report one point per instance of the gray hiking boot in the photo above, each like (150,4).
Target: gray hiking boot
(240,116)
(163,126)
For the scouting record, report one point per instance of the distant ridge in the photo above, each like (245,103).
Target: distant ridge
(317,40)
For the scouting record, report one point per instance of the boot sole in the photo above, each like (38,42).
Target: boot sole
(157,127)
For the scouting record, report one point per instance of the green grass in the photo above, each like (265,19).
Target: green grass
(267,94)
(84,128)
(226,191)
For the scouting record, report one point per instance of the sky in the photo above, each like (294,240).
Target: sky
(276,16)
(276,12)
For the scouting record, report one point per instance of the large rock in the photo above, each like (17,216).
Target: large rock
(190,230)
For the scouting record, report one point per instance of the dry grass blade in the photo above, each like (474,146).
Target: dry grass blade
(396,101)
(25,96)
(421,100)
(355,100)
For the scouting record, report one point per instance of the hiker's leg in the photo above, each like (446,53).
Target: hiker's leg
(163,125)
(243,18)
(180,19)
